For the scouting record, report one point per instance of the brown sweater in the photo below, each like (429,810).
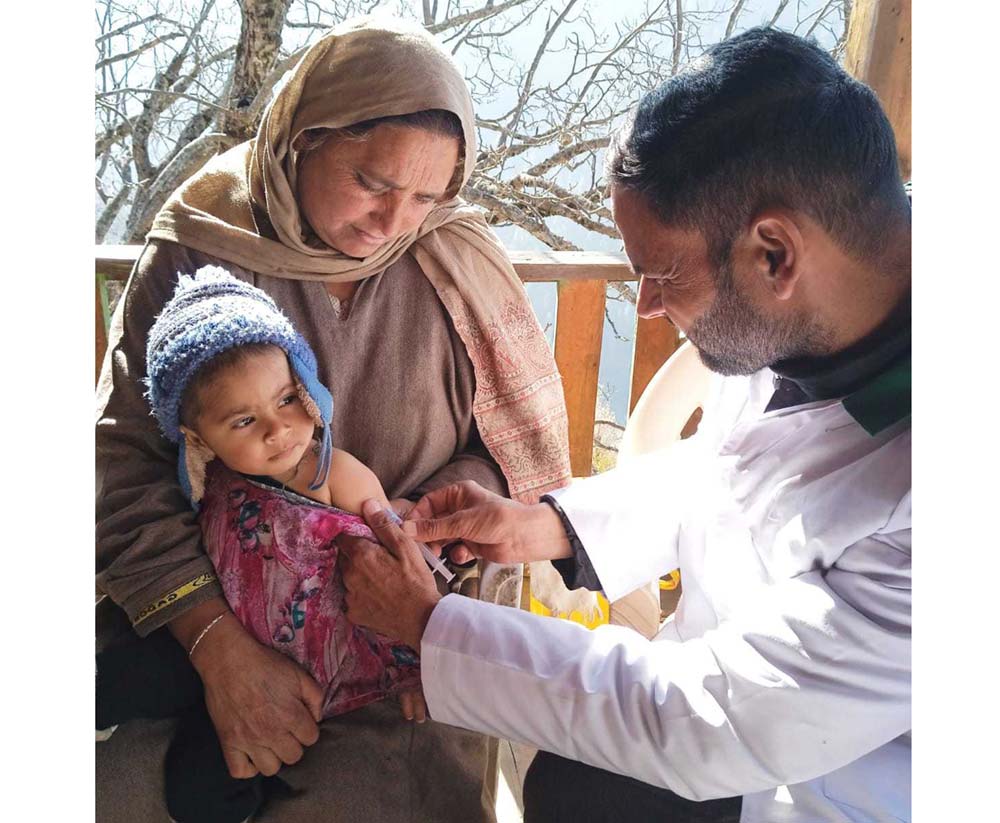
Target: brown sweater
(402,386)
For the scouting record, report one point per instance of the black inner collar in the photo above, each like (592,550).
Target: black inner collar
(843,373)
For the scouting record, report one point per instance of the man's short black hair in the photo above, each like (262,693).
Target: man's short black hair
(764,119)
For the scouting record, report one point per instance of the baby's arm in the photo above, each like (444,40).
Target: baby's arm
(351,483)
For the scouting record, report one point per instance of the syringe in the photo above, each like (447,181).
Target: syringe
(432,561)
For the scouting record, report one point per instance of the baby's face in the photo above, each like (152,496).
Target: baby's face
(252,417)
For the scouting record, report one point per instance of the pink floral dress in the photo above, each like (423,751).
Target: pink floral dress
(274,554)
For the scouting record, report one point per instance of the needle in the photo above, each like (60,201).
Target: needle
(432,561)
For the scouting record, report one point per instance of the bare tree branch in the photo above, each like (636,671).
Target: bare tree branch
(112,136)
(122,29)
(623,290)
(610,321)
(307,25)
(554,207)
(584,204)
(819,17)
(614,424)
(191,158)
(678,38)
(777,12)
(487,11)
(622,43)
(733,17)
(526,85)
(200,121)
(155,103)
(111,211)
(562,156)
(847,7)
(499,210)
(600,444)
(152,44)
(167,94)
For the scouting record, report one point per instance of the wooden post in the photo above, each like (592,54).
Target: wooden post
(579,328)
(878,54)
(655,341)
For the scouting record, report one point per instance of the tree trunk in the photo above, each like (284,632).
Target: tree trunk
(256,56)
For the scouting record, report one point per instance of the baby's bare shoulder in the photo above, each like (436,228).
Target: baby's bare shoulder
(351,482)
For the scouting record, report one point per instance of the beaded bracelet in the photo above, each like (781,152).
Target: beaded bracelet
(204,631)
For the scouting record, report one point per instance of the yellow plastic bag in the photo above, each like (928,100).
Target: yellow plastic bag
(536,607)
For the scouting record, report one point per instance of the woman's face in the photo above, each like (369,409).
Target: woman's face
(359,195)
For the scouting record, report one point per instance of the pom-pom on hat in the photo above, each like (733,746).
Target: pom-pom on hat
(210,313)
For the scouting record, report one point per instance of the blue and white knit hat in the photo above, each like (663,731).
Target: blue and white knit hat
(210,313)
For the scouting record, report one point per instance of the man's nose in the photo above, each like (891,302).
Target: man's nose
(648,304)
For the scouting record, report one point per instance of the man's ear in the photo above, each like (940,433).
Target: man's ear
(776,251)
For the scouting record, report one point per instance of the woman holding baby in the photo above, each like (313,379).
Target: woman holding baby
(344,210)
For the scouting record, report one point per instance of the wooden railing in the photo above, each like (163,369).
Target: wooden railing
(581,279)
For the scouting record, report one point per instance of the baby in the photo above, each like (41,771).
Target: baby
(236,387)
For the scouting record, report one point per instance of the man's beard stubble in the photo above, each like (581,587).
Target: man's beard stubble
(732,337)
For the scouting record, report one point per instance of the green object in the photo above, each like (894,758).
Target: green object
(884,401)
(102,290)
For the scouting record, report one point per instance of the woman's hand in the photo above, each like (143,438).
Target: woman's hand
(413,705)
(265,707)
(489,526)
(389,587)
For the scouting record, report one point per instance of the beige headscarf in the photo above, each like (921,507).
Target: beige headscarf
(242,207)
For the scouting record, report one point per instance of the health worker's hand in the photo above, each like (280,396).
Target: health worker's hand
(401,506)
(389,588)
(265,707)
(489,526)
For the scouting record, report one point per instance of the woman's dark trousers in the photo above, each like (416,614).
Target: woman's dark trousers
(153,678)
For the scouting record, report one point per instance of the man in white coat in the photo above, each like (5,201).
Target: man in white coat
(758,196)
